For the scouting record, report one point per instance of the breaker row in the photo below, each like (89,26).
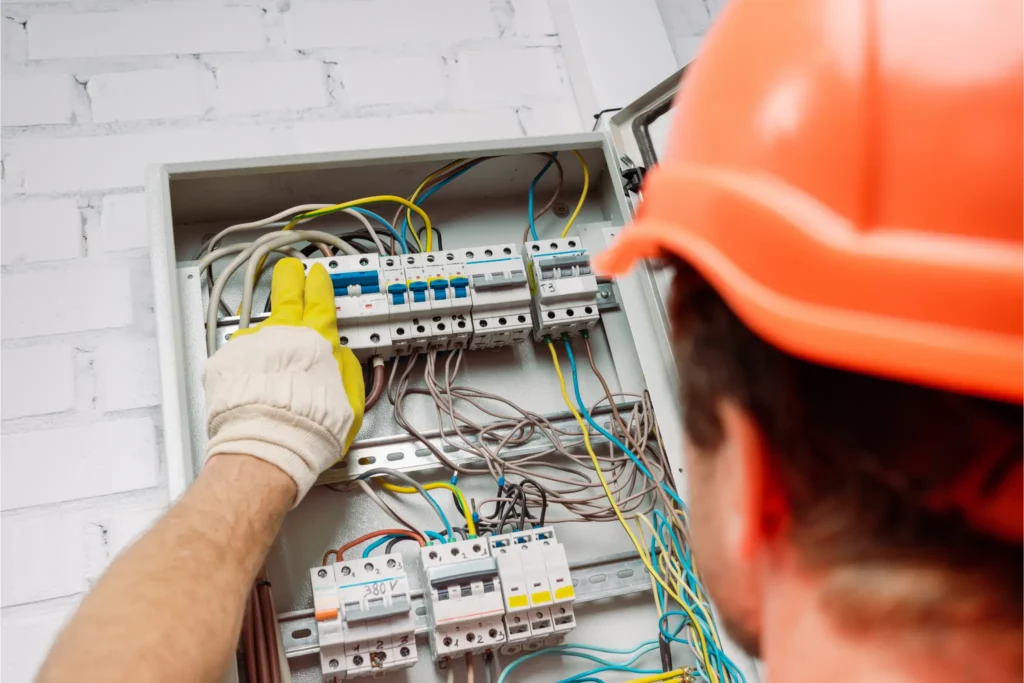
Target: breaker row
(474,298)
(500,594)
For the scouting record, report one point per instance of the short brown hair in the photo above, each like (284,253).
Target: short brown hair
(855,454)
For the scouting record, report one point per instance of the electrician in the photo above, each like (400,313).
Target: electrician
(842,202)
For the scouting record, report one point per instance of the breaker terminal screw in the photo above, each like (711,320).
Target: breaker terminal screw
(357,660)
(391,564)
(345,571)
(322,573)
(333,663)
(447,641)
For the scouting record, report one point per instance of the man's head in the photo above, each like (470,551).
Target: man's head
(846,475)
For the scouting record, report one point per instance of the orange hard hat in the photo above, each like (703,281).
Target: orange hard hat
(848,176)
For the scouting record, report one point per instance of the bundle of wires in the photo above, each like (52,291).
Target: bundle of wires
(568,484)
(593,653)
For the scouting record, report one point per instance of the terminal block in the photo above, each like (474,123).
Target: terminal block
(564,287)
(536,588)
(501,296)
(364,617)
(361,304)
(463,595)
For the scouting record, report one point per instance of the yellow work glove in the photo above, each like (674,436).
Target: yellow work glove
(286,390)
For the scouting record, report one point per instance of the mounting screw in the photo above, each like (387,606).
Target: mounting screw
(391,564)
(561,209)
(333,663)
(345,571)
(605,294)
(322,573)
(357,660)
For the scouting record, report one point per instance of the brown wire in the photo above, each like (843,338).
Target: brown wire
(249,642)
(269,626)
(262,656)
(376,389)
(373,534)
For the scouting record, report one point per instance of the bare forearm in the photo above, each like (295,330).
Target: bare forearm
(170,608)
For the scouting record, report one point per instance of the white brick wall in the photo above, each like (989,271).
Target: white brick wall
(267,86)
(93,92)
(37,380)
(35,99)
(47,230)
(148,94)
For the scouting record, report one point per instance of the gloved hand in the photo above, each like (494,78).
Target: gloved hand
(286,391)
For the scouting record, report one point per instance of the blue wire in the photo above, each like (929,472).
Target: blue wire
(380,219)
(435,188)
(586,414)
(436,536)
(378,543)
(437,509)
(533,186)
(568,651)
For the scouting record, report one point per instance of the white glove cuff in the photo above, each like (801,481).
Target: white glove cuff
(277,395)
(291,443)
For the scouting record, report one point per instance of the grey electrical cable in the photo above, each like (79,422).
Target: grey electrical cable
(283,238)
(218,288)
(387,472)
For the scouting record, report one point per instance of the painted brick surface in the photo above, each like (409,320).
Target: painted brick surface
(36,99)
(40,231)
(148,94)
(37,380)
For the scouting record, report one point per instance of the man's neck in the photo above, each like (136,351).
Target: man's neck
(803,643)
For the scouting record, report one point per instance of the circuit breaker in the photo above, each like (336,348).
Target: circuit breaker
(462,591)
(364,617)
(536,587)
(564,287)
(500,294)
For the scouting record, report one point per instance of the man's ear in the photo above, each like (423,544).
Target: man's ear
(754,510)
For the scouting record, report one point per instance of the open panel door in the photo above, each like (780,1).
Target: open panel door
(639,133)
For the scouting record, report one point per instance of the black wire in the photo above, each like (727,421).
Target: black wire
(395,541)
(543,497)
(520,497)
(437,234)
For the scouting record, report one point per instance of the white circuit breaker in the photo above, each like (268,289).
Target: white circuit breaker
(464,601)
(500,294)
(536,587)
(364,617)
(564,287)
(361,304)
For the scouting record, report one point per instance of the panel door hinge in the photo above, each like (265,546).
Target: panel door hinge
(632,176)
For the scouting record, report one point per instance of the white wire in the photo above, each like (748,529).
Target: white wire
(242,257)
(301,208)
(282,239)
(214,256)
(369,229)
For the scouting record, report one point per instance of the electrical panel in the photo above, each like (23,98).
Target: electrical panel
(564,287)
(536,587)
(364,617)
(463,595)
